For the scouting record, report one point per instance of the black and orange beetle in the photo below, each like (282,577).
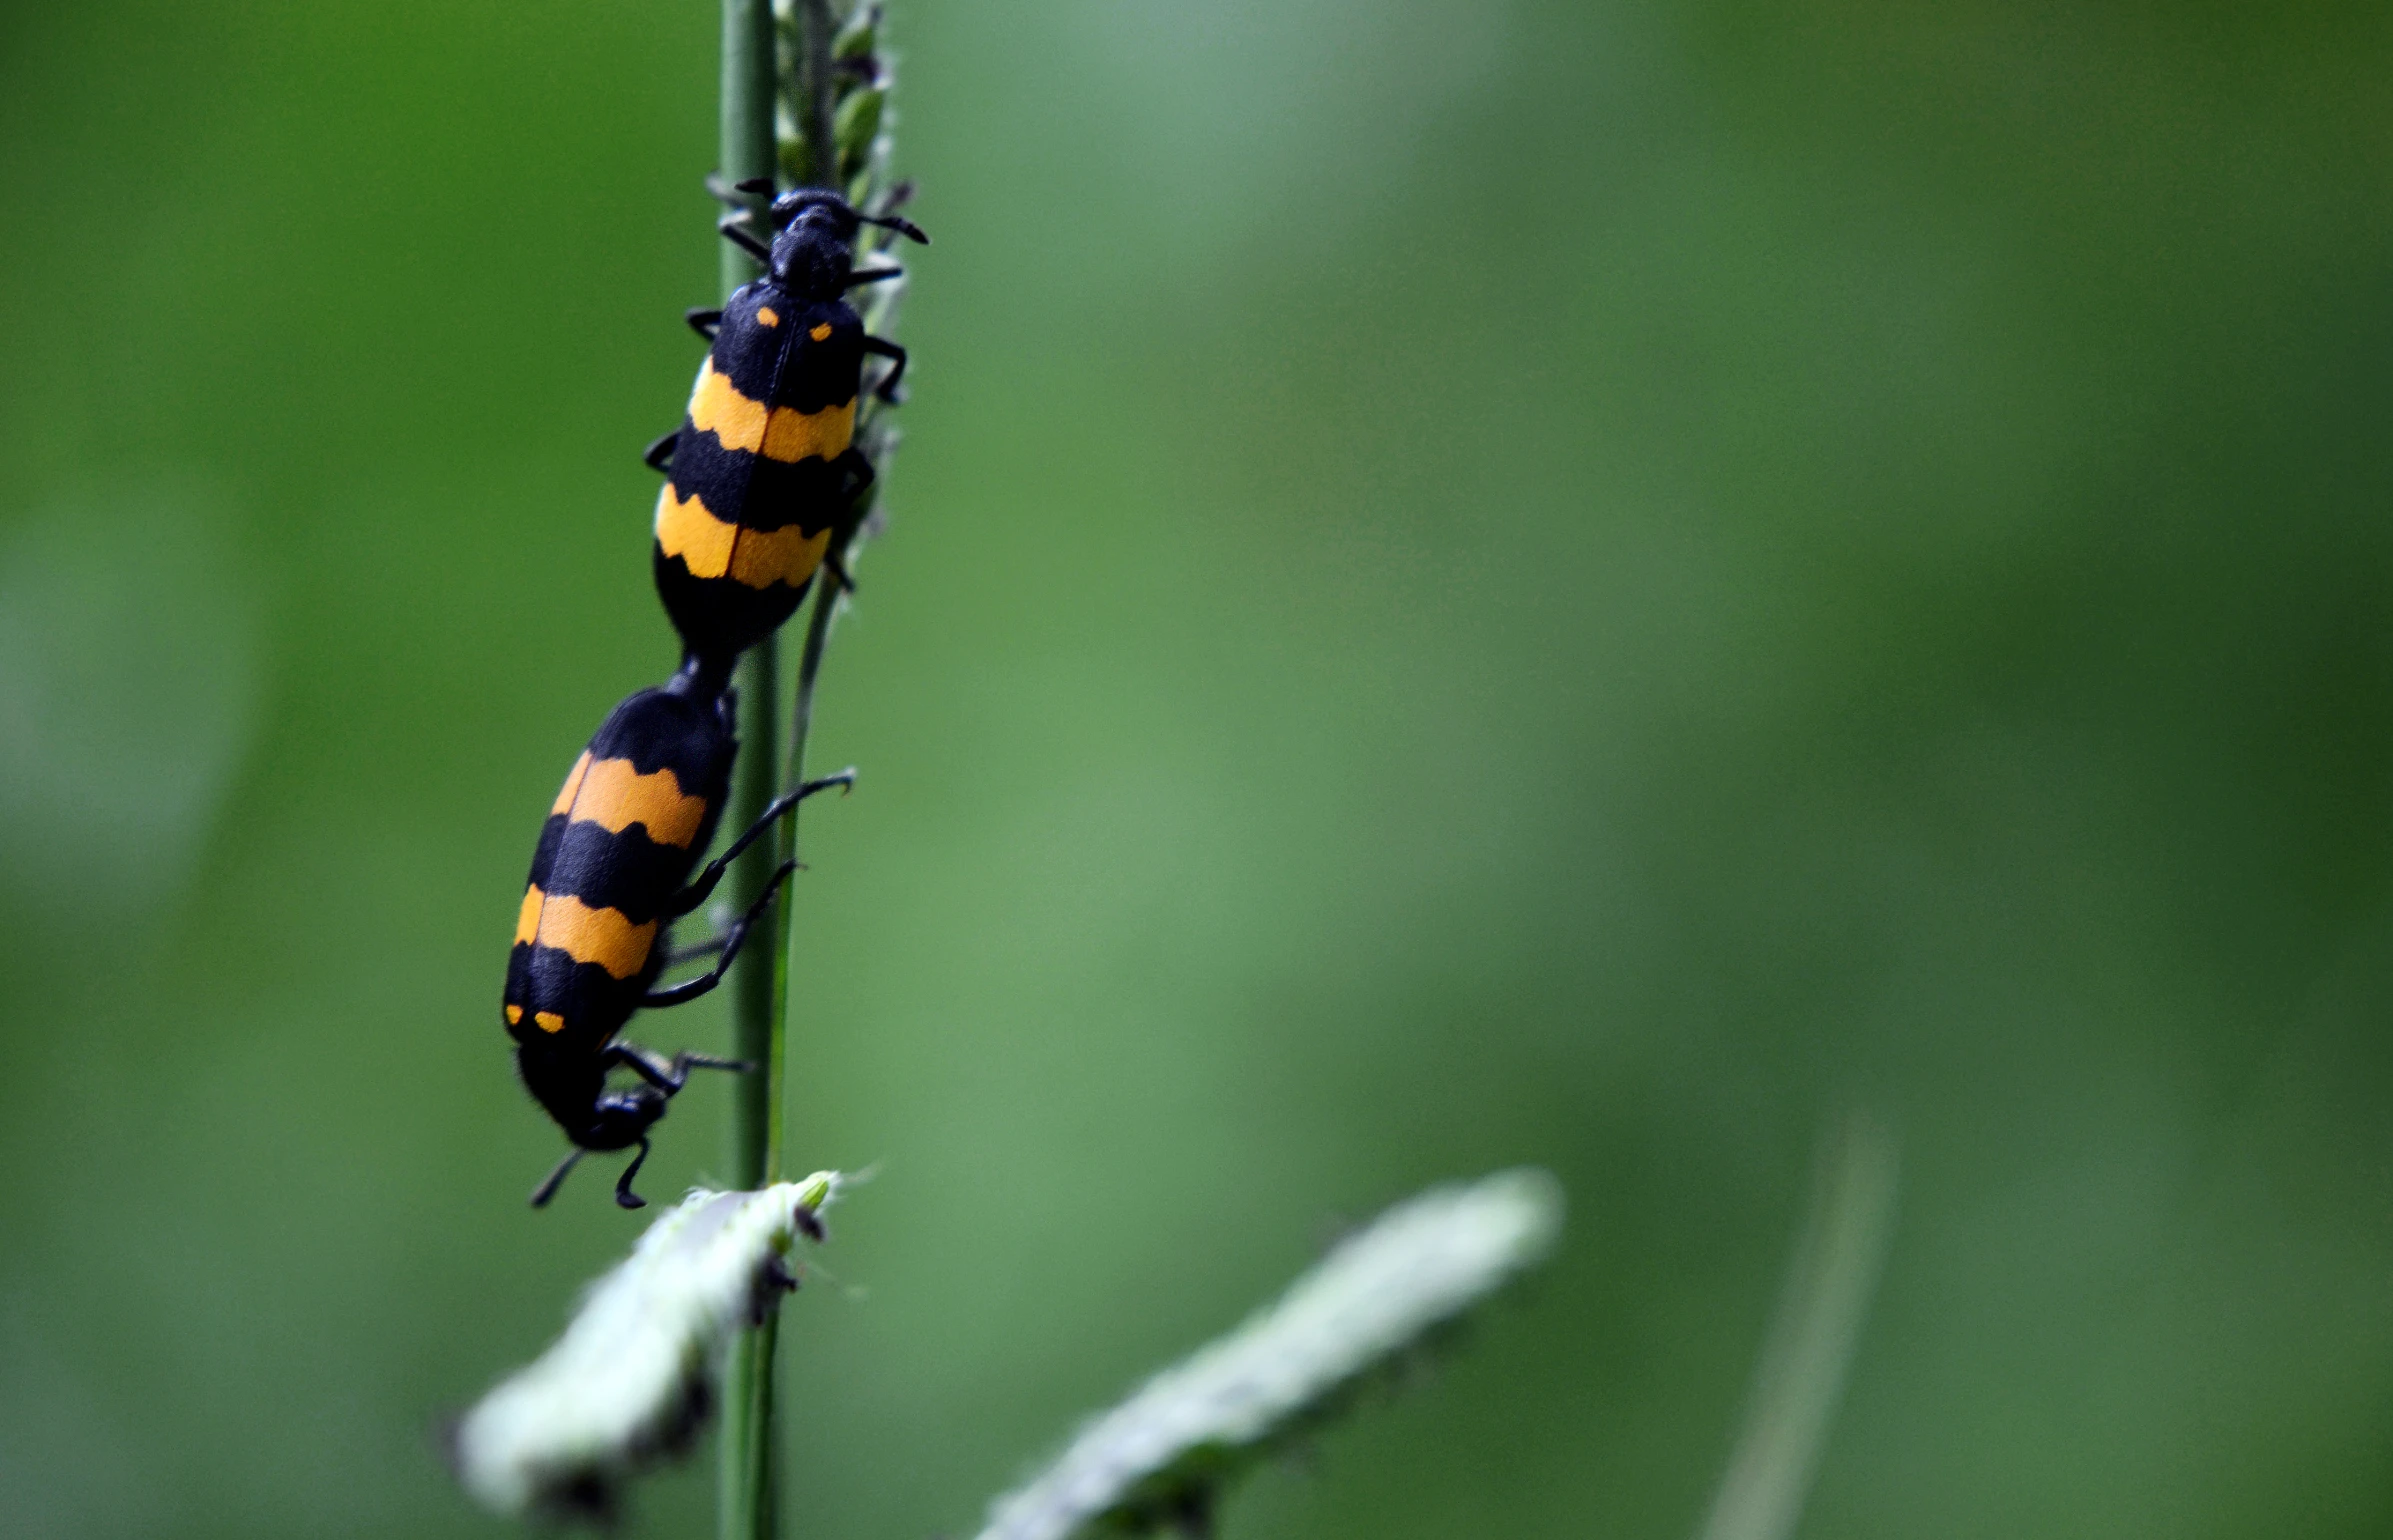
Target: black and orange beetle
(762,471)
(610,876)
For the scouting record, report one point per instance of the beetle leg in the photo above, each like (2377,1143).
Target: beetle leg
(676,956)
(703,885)
(659,455)
(859,471)
(887,390)
(555,1179)
(624,1196)
(649,1065)
(667,1075)
(691,989)
(733,227)
(703,322)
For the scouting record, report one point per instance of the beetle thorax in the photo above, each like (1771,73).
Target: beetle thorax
(813,256)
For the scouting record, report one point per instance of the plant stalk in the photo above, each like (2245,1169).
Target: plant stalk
(749,1480)
(780,933)
(748,1489)
(815,87)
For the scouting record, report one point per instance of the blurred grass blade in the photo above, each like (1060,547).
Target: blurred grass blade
(635,1374)
(1812,1336)
(1161,1456)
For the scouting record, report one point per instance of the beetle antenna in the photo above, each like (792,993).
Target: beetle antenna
(904,227)
(556,1179)
(736,194)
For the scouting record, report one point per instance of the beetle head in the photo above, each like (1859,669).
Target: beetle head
(814,245)
(618,1119)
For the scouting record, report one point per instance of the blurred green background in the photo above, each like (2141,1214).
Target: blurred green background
(1547,583)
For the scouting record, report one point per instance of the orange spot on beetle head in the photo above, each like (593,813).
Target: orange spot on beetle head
(768,316)
(821,333)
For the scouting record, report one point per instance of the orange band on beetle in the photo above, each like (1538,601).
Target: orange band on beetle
(712,548)
(527,918)
(606,937)
(780,433)
(573,786)
(614,795)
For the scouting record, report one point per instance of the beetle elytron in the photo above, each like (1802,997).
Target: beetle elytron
(608,880)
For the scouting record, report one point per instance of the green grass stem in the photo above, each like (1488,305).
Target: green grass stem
(749,1478)
(748,1489)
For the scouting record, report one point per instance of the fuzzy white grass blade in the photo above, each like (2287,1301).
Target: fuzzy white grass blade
(634,1375)
(1163,1451)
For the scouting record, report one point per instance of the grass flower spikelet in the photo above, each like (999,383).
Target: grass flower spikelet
(1161,1455)
(634,1376)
